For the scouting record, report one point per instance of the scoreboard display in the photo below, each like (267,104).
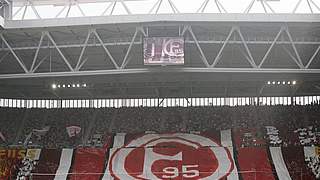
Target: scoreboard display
(163,51)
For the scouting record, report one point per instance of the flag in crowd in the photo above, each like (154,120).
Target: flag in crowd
(2,137)
(73,130)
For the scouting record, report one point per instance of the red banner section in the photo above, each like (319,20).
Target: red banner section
(254,164)
(295,162)
(88,164)
(48,164)
(175,156)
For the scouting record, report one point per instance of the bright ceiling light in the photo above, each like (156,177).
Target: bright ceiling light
(54,86)
(273,82)
(283,82)
(294,82)
(78,85)
(289,82)
(84,85)
(269,82)
(73,85)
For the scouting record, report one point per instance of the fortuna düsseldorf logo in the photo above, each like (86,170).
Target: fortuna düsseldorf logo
(171,156)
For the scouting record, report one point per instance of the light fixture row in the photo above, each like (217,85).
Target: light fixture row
(282,82)
(78,85)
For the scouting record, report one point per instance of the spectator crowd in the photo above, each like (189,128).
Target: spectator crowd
(47,127)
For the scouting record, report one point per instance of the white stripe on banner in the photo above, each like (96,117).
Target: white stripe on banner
(119,140)
(107,175)
(64,165)
(279,164)
(309,151)
(226,141)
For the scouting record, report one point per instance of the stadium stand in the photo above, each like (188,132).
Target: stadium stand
(257,133)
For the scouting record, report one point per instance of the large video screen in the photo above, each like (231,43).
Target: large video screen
(163,51)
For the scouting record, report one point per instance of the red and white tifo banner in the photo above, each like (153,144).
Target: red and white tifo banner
(170,156)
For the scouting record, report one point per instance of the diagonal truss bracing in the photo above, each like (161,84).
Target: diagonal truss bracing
(187,31)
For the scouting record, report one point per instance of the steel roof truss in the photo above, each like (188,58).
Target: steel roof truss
(22,65)
(313,57)
(250,60)
(270,47)
(292,57)
(300,64)
(106,49)
(125,59)
(202,56)
(37,52)
(59,51)
(83,49)
(40,62)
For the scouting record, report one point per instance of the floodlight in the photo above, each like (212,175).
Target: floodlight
(54,86)
(294,82)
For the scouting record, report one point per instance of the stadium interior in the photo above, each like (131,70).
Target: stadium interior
(160,89)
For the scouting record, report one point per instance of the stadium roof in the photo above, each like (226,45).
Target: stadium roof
(226,54)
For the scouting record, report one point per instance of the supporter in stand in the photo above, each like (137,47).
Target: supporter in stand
(10,119)
(99,122)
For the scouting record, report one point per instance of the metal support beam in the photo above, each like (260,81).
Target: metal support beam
(80,9)
(37,52)
(222,48)
(125,7)
(122,43)
(106,49)
(203,57)
(296,6)
(312,57)
(250,60)
(61,54)
(173,7)
(61,11)
(157,70)
(292,57)
(294,48)
(35,11)
(270,48)
(40,62)
(125,59)
(315,5)
(14,54)
(83,49)
(108,7)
